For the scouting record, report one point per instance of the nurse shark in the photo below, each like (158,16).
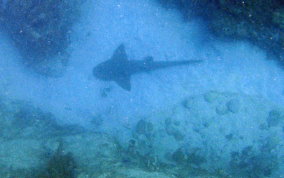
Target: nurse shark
(119,69)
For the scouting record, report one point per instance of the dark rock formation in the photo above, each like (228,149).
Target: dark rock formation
(60,165)
(258,21)
(40,29)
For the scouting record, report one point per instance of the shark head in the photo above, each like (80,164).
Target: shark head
(115,69)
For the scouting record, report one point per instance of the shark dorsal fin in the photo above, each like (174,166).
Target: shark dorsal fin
(124,82)
(120,54)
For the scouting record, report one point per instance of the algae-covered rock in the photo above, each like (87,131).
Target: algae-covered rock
(222,109)
(174,129)
(21,119)
(144,127)
(252,163)
(233,105)
(179,156)
(275,117)
(211,96)
(20,153)
(60,165)
(125,172)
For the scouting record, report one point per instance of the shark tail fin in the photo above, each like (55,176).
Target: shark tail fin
(187,62)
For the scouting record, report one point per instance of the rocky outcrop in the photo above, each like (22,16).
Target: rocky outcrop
(221,133)
(41,31)
(258,21)
(216,134)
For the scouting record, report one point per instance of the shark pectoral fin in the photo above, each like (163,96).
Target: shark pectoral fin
(124,82)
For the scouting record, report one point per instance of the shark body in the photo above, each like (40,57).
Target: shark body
(119,69)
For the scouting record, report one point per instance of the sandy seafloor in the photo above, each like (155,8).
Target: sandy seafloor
(232,70)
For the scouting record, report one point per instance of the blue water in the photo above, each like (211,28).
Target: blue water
(146,29)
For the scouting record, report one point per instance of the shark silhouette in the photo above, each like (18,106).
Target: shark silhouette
(119,69)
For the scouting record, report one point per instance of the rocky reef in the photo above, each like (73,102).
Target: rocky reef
(216,134)
(40,30)
(258,21)
(60,165)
